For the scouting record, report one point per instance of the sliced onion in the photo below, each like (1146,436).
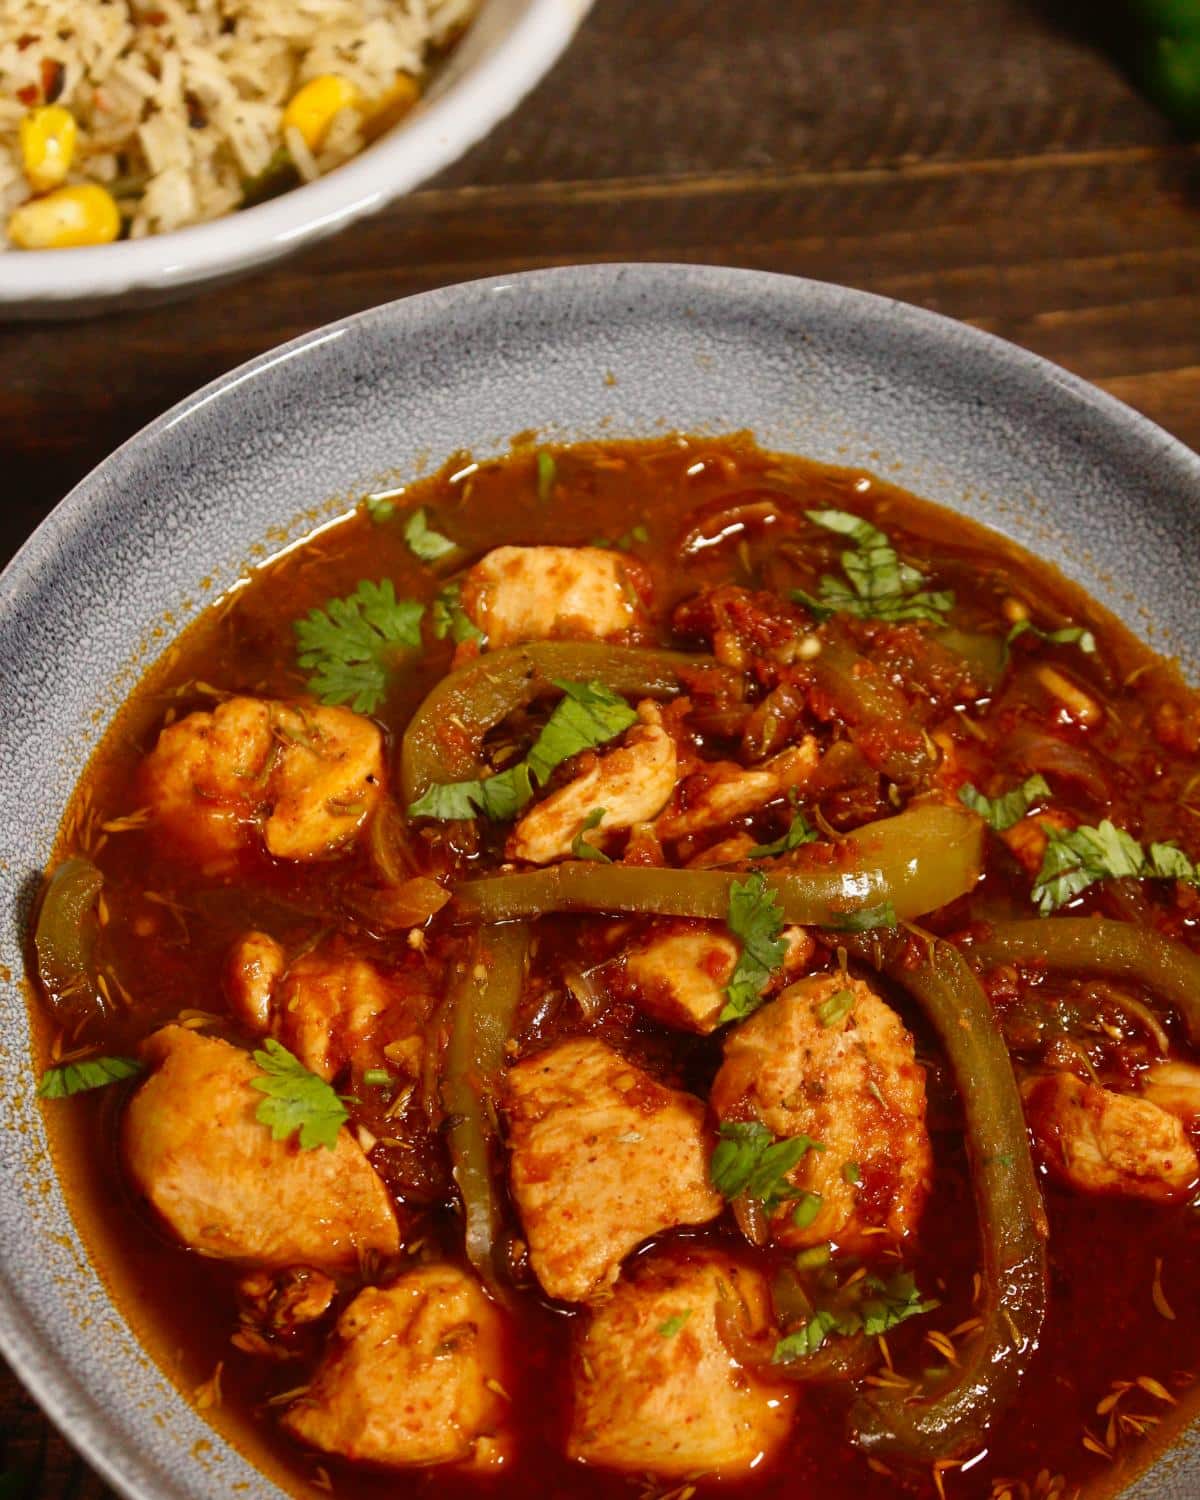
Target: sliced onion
(65,937)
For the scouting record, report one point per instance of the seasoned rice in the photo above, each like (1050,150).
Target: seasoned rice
(179,103)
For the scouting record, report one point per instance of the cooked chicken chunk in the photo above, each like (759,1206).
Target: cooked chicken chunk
(554,594)
(828,1059)
(723,790)
(679,976)
(308,777)
(602,1156)
(631,784)
(1175,1087)
(1103,1142)
(655,1387)
(411,1376)
(197,1151)
(328,1008)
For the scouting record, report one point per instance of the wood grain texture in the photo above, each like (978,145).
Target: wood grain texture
(978,157)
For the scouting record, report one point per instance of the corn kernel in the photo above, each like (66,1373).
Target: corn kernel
(84,214)
(391,106)
(312,108)
(47,146)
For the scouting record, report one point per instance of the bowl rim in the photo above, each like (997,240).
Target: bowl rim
(79,1411)
(437,133)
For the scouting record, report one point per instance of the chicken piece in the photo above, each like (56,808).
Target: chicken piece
(516,594)
(224,1186)
(631,783)
(828,1059)
(602,1157)
(1103,1142)
(308,777)
(731,851)
(412,1376)
(1175,1087)
(655,1388)
(679,976)
(723,790)
(328,1008)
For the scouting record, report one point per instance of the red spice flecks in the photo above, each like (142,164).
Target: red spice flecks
(26,40)
(53,78)
(28,94)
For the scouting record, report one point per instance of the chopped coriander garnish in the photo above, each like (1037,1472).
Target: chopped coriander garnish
(1002,812)
(587,715)
(674,1324)
(806,1209)
(377,1078)
(798,833)
(297,1102)
(625,542)
(547,474)
(448,618)
(1069,635)
(424,543)
(865,919)
(836,1008)
(581,848)
(806,1339)
(1076,858)
(89,1073)
(881,587)
(851,1173)
(756,921)
(881,1306)
(813,1258)
(748,1159)
(348,647)
(380,508)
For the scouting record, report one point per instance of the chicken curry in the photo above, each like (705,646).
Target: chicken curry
(655,965)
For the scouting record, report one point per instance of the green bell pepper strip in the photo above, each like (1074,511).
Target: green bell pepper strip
(1098,945)
(65,936)
(444,739)
(951,1417)
(480,1008)
(919,860)
(875,712)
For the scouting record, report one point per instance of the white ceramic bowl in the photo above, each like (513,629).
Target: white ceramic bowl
(509,47)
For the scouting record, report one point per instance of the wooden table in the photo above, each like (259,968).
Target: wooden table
(978,157)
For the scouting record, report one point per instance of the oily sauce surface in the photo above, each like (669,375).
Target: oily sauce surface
(169,928)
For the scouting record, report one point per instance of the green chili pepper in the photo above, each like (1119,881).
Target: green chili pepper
(919,860)
(480,1006)
(444,739)
(876,713)
(952,1416)
(65,936)
(1097,945)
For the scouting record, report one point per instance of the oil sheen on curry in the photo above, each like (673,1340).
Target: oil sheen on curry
(650,969)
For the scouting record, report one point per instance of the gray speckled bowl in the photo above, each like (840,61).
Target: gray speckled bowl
(269,451)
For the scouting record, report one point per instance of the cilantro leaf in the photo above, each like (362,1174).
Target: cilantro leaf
(893,1301)
(623,543)
(582,848)
(1002,812)
(836,1008)
(748,1159)
(297,1100)
(674,1324)
(587,715)
(547,474)
(799,832)
(348,647)
(756,921)
(1069,635)
(448,618)
(498,797)
(806,1339)
(381,508)
(881,586)
(865,919)
(88,1073)
(423,542)
(1076,858)
(851,1173)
